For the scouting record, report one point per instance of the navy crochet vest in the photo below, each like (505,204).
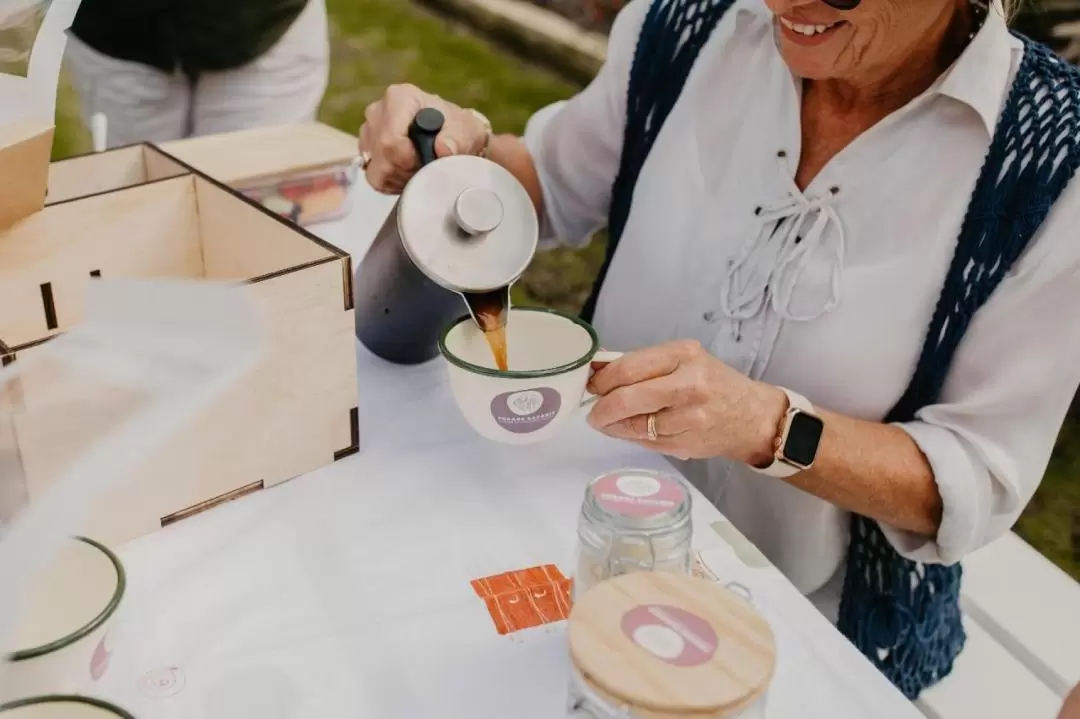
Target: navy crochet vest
(904,616)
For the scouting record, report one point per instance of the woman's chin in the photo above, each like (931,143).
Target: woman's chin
(813,58)
(810,63)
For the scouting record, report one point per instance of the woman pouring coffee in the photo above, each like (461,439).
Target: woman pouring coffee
(842,251)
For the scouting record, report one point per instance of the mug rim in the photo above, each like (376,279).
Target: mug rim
(65,699)
(522,374)
(87,629)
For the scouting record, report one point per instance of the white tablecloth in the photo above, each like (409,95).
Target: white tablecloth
(345,593)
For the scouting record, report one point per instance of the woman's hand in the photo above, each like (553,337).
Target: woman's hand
(703,407)
(390,157)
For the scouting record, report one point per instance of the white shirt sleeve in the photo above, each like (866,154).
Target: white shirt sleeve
(576,144)
(1013,378)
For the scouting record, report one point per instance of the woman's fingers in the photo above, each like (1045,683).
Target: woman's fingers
(384,137)
(646,364)
(643,398)
(669,423)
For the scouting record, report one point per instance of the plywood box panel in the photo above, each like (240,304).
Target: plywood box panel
(117,169)
(146,231)
(242,241)
(294,413)
(24,165)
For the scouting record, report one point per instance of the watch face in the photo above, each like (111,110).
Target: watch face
(804,434)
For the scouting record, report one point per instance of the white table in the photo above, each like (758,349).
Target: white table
(345,593)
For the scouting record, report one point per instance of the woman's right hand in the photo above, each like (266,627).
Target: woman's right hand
(384,140)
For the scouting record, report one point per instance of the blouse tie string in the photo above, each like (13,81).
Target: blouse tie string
(793,232)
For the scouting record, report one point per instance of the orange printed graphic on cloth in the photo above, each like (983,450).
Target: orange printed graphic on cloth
(517,579)
(530,607)
(525,598)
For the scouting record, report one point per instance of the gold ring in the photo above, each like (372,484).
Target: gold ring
(651,428)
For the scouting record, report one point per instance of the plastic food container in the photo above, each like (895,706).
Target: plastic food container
(667,646)
(63,619)
(306,198)
(62,707)
(633,520)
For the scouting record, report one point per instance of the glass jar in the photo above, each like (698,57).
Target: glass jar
(633,520)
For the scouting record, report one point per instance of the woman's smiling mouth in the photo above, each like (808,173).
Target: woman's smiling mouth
(808,33)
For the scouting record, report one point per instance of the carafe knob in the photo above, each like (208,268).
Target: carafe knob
(478,211)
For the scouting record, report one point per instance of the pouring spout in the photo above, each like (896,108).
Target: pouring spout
(489,309)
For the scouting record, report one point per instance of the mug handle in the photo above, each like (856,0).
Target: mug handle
(600,357)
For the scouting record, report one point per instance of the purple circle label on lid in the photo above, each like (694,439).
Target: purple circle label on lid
(670,634)
(638,494)
(526,410)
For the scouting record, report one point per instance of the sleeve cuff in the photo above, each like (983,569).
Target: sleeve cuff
(957,480)
(552,233)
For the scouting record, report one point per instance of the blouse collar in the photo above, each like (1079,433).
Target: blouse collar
(979,78)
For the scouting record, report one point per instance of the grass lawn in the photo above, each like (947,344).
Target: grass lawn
(380,42)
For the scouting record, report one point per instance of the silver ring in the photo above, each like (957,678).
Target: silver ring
(650,428)
(365,159)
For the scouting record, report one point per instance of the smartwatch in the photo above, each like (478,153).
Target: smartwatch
(797,440)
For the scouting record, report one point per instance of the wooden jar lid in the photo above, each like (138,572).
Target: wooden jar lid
(668,645)
(58,707)
(69,600)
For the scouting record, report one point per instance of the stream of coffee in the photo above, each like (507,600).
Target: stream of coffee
(491,310)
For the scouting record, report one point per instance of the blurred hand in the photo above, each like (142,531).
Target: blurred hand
(384,135)
(703,407)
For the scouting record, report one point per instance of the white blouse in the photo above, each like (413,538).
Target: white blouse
(828,292)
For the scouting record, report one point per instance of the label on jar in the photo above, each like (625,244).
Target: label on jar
(526,411)
(638,494)
(670,634)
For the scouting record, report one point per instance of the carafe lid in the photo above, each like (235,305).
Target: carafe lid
(671,644)
(466,222)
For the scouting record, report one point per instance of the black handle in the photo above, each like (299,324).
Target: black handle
(425,127)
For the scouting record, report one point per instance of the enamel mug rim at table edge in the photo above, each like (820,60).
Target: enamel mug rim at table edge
(571,374)
(44,699)
(35,670)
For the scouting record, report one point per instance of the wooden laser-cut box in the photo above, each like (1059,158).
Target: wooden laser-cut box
(139,212)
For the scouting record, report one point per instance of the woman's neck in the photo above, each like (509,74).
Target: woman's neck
(898,79)
(835,112)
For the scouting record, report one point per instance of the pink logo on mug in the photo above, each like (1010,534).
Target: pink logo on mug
(670,634)
(527,410)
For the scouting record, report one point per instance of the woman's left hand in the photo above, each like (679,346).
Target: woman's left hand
(702,407)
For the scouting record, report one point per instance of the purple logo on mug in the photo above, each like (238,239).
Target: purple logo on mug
(527,410)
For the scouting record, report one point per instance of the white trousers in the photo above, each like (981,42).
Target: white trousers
(143,104)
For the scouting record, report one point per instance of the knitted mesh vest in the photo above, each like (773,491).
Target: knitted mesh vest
(904,616)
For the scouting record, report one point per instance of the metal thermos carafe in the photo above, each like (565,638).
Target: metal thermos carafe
(462,225)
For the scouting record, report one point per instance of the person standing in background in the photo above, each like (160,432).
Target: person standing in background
(163,70)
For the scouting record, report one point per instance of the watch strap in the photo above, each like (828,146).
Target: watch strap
(778,467)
